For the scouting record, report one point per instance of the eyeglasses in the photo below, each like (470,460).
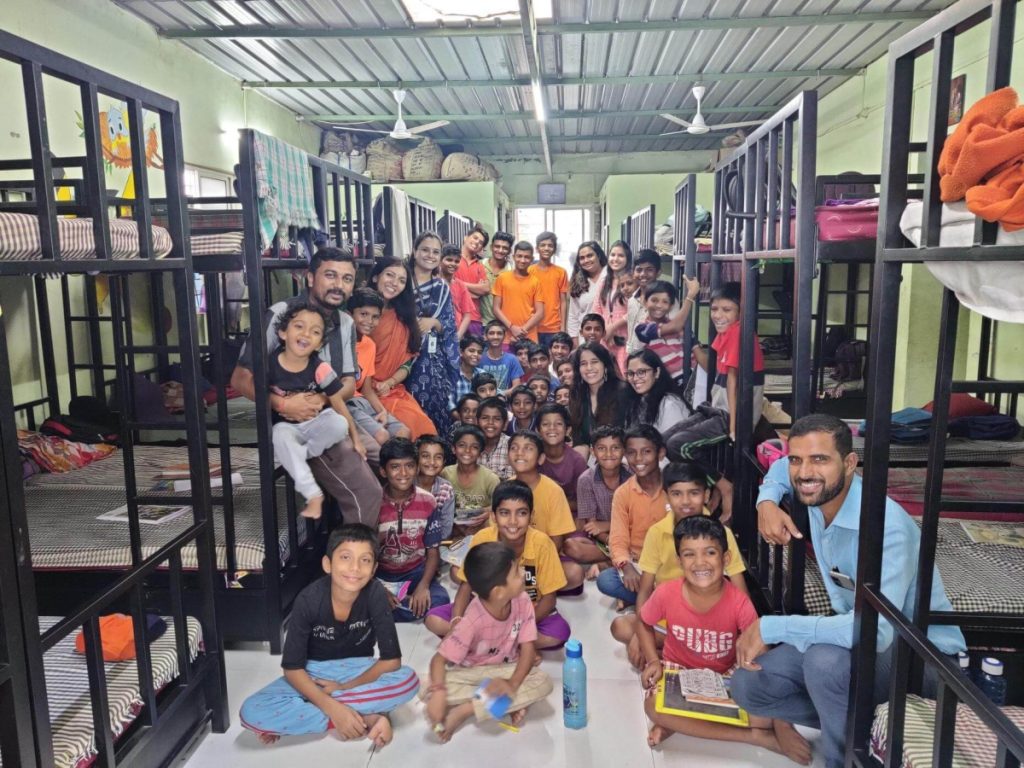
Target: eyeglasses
(638,373)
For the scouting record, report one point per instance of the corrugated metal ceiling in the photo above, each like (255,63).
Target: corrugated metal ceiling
(619,115)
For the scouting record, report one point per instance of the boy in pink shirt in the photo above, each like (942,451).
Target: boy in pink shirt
(704,614)
(494,639)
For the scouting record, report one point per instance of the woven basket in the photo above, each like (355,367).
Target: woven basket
(423,163)
(384,160)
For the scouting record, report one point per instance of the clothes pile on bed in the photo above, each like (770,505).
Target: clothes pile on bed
(981,174)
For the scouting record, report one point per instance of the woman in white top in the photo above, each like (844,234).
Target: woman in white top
(586,274)
(652,396)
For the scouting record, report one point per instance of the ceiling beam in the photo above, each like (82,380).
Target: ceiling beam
(508,30)
(528,116)
(540,106)
(502,140)
(696,77)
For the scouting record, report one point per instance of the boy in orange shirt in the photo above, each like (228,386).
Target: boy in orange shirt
(518,304)
(366,306)
(638,504)
(554,284)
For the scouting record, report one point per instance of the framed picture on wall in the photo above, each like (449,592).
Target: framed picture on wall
(956,99)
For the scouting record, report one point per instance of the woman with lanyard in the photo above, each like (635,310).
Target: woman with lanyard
(586,275)
(433,372)
(596,396)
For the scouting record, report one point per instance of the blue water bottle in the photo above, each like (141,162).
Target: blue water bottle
(574,686)
(496,705)
(991,680)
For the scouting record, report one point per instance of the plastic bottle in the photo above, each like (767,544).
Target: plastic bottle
(496,705)
(991,680)
(574,686)
(965,663)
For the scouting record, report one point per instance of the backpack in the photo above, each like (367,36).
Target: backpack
(705,427)
(771,451)
(78,431)
(997,426)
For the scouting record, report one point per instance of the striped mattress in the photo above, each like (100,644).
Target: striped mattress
(974,745)
(68,695)
(958,449)
(19,238)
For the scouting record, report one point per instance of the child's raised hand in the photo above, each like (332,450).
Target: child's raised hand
(347,722)
(692,285)
(652,673)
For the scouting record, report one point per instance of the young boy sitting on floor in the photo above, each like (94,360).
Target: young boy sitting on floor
(686,485)
(473,484)
(491,417)
(294,368)
(410,531)
(594,491)
(495,641)
(541,388)
(535,554)
(430,452)
(638,504)
(561,463)
(331,679)
(551,513)
(703,603)
(485,385)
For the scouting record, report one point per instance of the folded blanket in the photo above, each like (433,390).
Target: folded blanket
(284,187)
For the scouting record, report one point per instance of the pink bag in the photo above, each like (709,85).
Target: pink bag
(771,451)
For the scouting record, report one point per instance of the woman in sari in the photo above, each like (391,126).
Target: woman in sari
(397,337)
(434,371)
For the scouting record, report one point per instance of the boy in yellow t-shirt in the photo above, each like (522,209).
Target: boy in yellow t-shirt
(687,489)
(512,503)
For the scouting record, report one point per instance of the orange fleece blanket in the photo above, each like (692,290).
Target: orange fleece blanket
(983,160)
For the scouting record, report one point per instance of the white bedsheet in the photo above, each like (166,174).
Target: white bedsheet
(994,288)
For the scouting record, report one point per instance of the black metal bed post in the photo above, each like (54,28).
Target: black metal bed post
(195,421)
(16,727)
(256,280)
(685,206)
(45,325)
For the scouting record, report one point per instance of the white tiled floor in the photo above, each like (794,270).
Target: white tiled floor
(615,736)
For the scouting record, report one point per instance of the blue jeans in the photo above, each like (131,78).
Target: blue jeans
(610,583)
(438,594)
(810,688)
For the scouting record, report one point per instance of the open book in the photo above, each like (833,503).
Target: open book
(699,693)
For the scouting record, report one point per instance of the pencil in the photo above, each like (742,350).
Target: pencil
(507,726)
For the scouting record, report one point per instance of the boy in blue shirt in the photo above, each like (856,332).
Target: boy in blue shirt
(504,366)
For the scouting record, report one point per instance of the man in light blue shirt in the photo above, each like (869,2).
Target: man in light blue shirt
(805,678)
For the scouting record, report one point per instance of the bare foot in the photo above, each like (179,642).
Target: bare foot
(380,729)
(791,743)
(314,508)
(620,606)
(268,738)
(457,715)
(593,572)
(517,717)
(656,735)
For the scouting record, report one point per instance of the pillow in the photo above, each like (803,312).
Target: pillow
(961,404)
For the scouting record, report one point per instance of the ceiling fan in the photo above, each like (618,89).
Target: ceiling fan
(697,126)
(400,131)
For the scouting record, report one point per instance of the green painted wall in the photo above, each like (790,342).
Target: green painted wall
(97,32)
(476,199)
(850,124)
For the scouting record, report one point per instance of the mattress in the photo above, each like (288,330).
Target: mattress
(148,461)
(906,485)
(974,745)
(19,238)
(99,488)
(979,578)
(958,449)
(66,537)
(995,288)
(226,243)
(67,690)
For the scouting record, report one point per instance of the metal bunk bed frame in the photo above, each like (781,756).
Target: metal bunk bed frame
(453,227)
(422,216)
(936,36)
(174,716)
(637,229)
